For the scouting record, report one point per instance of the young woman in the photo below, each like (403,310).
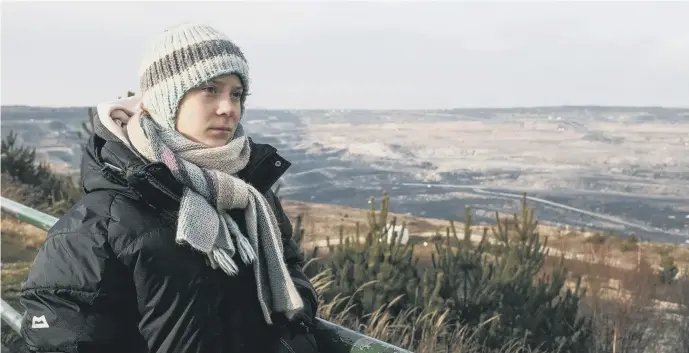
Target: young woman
(178,244)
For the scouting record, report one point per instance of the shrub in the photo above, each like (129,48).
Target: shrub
(495,290)
(32,183)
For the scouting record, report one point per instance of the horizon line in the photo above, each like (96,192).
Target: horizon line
(404,109)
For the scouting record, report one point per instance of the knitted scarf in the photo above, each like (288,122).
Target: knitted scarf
(211,188)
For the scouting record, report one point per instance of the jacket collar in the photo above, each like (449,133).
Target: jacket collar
(109,164)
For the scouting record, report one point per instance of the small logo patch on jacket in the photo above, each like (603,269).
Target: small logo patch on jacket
(39,322)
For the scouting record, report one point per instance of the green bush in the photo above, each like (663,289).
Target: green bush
(478,286)
(32,183)
(376,270)
(494,287)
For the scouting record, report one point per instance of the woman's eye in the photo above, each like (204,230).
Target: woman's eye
(210,89)
(237,94)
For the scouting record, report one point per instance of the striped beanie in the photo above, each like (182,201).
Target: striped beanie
(183,58)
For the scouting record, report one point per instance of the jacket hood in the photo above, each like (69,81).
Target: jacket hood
(107,155)
(108,162)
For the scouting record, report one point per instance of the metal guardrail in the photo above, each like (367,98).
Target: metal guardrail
(11,317)
(331,338)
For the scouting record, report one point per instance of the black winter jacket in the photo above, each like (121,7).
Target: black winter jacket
(110,277)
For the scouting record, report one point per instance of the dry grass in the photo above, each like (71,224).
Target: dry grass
(429,331)
(13,274)
(324,220)
(321,220)
(20,241)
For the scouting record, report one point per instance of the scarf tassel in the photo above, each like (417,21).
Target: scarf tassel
(246,251)
(221,258)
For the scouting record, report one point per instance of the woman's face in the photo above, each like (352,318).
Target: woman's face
(210,113)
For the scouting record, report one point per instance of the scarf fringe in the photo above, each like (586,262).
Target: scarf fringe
(220,258)
(246,251)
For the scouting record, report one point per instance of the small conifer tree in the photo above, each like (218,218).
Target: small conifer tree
(505,289)
(19,166)
(373,271)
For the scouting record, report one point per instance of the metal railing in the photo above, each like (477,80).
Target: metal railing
(331,338)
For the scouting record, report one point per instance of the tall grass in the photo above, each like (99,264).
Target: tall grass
(415,329)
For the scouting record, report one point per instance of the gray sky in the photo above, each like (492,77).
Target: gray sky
(402,55)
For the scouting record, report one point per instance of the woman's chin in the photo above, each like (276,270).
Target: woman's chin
(217,138)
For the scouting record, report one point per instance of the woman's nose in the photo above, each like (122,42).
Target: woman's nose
(225,107)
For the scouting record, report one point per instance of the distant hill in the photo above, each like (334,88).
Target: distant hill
(19,112)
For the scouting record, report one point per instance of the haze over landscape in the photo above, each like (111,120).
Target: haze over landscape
(363,98)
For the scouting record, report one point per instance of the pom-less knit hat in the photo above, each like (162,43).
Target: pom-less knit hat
(183,58)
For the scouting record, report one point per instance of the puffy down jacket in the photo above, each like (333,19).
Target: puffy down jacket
(110,277)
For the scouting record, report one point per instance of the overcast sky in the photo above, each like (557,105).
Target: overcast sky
(366,55)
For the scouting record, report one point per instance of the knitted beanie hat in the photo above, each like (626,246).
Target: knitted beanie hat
(183,58)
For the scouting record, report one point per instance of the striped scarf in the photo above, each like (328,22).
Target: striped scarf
(211,188)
